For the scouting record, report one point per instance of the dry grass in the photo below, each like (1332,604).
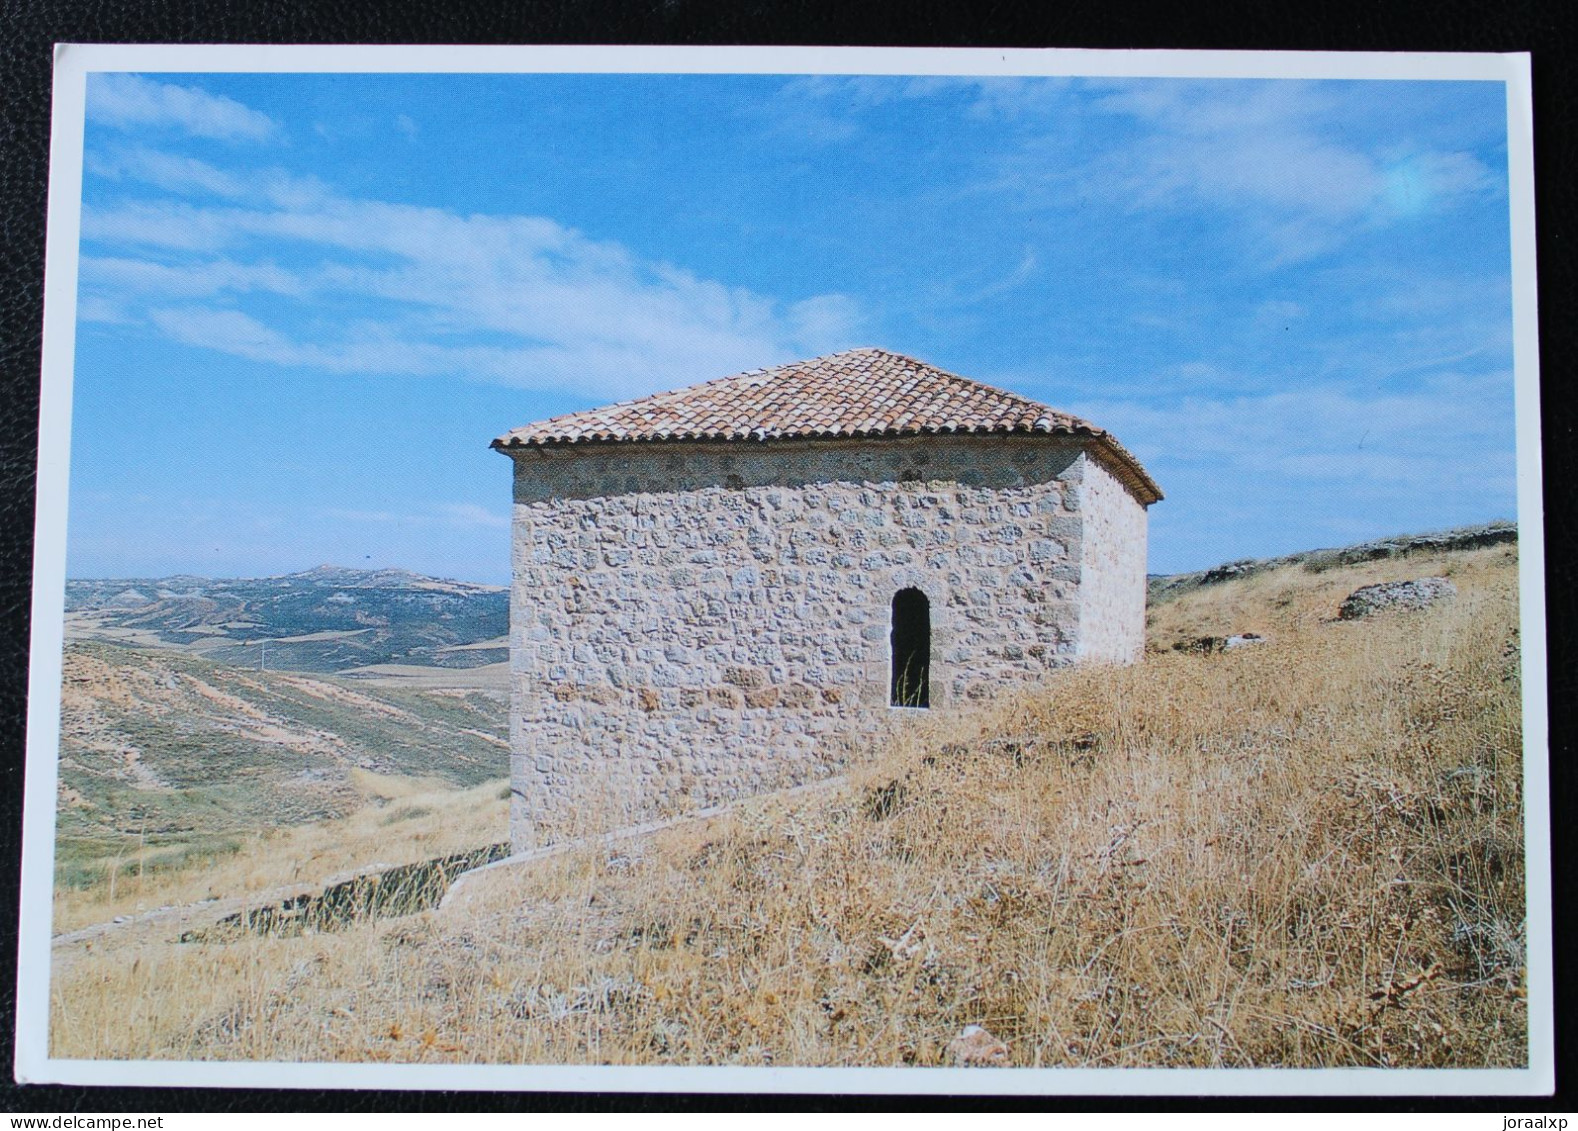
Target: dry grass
(1305,853)
(401,821)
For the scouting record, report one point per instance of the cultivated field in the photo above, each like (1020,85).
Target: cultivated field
(1306,852)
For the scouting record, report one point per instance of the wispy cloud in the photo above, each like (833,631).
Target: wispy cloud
(1282,155)
(1290,299)
(985,285)
(518,299)
(120,281)
(469,514)
(459,516)
(830,109)
(164,170)
(1256,475)
(131,102)
(1448,435)
(1279,312)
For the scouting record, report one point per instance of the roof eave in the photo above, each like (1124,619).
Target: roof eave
(1129,470)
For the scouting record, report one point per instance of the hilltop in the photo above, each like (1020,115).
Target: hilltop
(1308,853)
(327,619)
(1167,587)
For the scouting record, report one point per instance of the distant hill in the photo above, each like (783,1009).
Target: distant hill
(328,619)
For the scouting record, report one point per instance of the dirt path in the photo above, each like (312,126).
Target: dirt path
(206,913)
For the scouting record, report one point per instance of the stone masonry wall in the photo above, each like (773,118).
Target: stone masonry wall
(697,622)
(1112,568)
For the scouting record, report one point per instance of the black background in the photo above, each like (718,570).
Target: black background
(29,29)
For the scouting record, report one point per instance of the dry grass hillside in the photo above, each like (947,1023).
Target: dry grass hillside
(1308,852)
(179,776)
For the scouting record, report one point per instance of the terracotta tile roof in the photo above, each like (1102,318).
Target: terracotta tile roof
(858,393)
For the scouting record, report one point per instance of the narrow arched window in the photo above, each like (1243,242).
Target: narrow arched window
(911,658)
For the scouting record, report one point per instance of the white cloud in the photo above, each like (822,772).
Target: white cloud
(100,309)
(131,101)
(839,99)
(1283,155)
(127,278)
(166,171)
(1279,312)
(168,225)
(1452,433)
(470,514)
(1257,475)
(1415,183)
(824,322)
(460,516)
(517,299)
(1288,166)
(1018,276)
(829,110)
(228,331)
(1292,165)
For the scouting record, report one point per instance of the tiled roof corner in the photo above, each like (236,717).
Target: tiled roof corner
(857,393)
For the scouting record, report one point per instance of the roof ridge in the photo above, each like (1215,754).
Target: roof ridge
(866,391)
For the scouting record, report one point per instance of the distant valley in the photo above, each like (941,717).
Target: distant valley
(197,712)
(327,619)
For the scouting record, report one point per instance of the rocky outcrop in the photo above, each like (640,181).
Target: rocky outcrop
(1208,644)
(1416,594)
(1243,640)
(976,1047)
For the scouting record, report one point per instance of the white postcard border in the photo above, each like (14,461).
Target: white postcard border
(75,61)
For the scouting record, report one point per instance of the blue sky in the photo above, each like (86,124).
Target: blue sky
(307,302)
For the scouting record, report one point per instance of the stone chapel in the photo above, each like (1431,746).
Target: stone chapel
(736,586)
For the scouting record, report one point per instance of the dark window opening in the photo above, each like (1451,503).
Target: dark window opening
(911,679)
